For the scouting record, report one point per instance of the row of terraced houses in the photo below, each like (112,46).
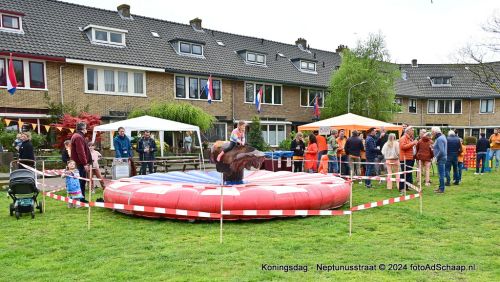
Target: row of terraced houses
(115,61)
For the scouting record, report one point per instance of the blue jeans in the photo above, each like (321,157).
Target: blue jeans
(480,157)
(496,154)
(333,165)
(452,162)
(460,168)
(441,164)
(370,169)
(345,165)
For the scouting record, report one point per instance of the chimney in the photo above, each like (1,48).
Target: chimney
(414,63)
(340,48)
(301,42)
(196,24)
(124,10)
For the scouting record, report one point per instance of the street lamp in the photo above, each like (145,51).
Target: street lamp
(349,95)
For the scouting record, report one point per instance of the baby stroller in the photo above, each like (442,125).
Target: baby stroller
(23,191)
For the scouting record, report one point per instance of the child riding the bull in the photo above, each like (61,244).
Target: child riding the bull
(237,138)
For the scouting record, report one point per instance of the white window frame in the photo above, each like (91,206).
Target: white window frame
(255,92)
(308,94)
(100,82)
(186,87)
(441,84)
(436,103)
(493,106)
(191,49)
(26,73)
(108,32)
(8,29)
(268,132)
(308,63)
(416,106)
(256,56)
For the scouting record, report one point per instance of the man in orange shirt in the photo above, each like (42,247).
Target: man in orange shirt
(406,144)
(322,146)
(495,147)
(341,155)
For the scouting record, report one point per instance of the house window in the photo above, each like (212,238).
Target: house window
(37,76)
(440,81)
(412,106)
(12,22)
(307,66)
(307,97)
(92,79)
(256,58)
(444,106)
(487,106)
(3,74)
(191,48)
(29,74)
(114,81)
(111,37)
(271,94)
(273,134)
(197,88)
(217,132)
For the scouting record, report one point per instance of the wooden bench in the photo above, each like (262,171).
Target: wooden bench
(184,161)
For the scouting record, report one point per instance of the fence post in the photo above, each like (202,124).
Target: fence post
(350,208)
(221,206)
(43,186)
(90,196)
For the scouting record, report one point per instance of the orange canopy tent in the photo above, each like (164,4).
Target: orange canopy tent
(350,122)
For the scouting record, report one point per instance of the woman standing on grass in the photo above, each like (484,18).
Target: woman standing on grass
(391,156)
(425,155)
(311,155)
(26,151)
(298,148)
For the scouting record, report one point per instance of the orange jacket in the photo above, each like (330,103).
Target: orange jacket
(494,138)
(311,157)
(406,148)
(341,149)
(323,165)
(461,156)
(321,141)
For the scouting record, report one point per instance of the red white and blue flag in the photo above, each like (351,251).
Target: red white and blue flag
(317,113)
(258,100)
(11,80)
(209,89)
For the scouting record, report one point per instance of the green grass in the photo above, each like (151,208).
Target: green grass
(460,227)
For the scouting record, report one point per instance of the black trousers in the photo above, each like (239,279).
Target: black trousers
(83,174)
(230,147)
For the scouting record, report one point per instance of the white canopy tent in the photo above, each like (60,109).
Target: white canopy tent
(148,123)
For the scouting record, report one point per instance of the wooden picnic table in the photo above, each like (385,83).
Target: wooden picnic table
(163,162)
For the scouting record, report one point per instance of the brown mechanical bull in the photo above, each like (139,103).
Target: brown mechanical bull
(233,162)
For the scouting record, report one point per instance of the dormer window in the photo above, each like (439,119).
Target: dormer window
(11,21)
(440,81)
(307,66)
(256,58)
(188,48)
(191,48)
(106,35)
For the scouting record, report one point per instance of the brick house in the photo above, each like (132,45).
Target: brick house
(114,61)
(446,95)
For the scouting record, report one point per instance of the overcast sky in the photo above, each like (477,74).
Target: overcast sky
(430,31)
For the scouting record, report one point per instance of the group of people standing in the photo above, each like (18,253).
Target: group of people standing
(338,154)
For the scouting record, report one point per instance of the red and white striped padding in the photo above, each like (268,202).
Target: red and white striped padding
(385,202)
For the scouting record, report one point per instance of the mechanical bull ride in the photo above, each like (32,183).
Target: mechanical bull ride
(197,194)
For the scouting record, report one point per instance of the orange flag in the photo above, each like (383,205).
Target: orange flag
(34,126)
(59,127)
(47,127)
(20,123)
(72,130)
(7,121)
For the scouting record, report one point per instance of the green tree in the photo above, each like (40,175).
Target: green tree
(255,138)
(366,70)
(181,112)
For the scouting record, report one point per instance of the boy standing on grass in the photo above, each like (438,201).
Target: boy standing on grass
(72,183)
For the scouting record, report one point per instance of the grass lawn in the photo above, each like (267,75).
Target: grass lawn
(460,227)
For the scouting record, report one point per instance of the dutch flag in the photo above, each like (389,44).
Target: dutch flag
(258,100)
(209,89)
(11,80)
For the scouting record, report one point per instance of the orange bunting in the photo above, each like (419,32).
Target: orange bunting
(47,127)
(7,121)
(59,128)
(20,123)
(34,126)
(72,130)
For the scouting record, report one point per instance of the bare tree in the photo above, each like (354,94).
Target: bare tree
(479,57)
